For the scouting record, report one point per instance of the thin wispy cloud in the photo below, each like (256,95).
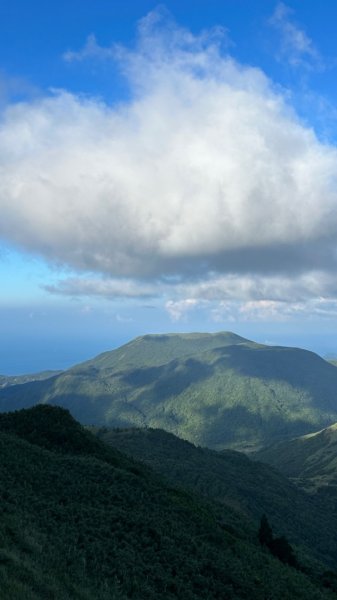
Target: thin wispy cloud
(94,287)
(91,50)
(221,298)
(177,309)
(273,311)
(296,47)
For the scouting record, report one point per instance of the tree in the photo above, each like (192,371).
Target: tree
(265,532)
(279,547)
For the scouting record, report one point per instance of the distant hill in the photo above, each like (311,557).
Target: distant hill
(231,478)
(6,380)
(80,520)
(215,390)
(310,460)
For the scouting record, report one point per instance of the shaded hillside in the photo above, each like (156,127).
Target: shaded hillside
(216,390)
(231,478)
(311,460)
(94,524)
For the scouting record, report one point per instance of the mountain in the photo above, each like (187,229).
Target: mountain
(6,380)
(310,460)
(251,488)
(215,390)
(80,520)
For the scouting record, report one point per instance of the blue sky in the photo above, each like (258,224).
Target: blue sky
(163,168)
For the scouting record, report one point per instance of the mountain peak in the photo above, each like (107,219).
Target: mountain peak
(156,349)
(226,336)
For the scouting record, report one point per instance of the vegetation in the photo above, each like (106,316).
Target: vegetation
(79,520)
(250,488)
(279,546)
(215,390)
(310,461)
(7,380)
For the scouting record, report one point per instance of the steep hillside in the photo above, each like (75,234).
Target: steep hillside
(231,478)
(216,390)
(310,460)
(90,523)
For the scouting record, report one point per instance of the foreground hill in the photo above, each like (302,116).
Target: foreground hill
(80,520)
(216,390)
(231,478)
(310,460)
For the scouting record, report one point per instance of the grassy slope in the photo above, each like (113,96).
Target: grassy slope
(79,520)
(215,390)
(251,488)
(310,460)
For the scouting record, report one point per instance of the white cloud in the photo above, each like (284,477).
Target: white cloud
(123,318)
(91,50)
(204,186)
(272,288)
(297,48)
(265,310)
(86,310)
(222,298)
(250,287)
(105,288)
(273,311)
(178,309)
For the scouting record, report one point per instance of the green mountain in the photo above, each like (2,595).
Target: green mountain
(215,390)
(231,478)
(310,460)
(6,380)
(80,520)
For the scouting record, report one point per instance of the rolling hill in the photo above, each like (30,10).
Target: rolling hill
(310,460)
(215,390)
(80,520)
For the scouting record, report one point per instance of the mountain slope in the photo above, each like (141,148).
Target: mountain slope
(6,380)
(216,390)
(310,460)
(93,524)
(231,478)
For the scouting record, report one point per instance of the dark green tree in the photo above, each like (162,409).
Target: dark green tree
(329,580)
(281,548)
(265,532)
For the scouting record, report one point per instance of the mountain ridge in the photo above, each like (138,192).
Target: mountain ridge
(217,390)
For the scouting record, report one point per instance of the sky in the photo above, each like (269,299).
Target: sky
(166,167)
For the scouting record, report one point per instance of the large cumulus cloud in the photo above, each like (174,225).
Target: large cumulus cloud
(204,172)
